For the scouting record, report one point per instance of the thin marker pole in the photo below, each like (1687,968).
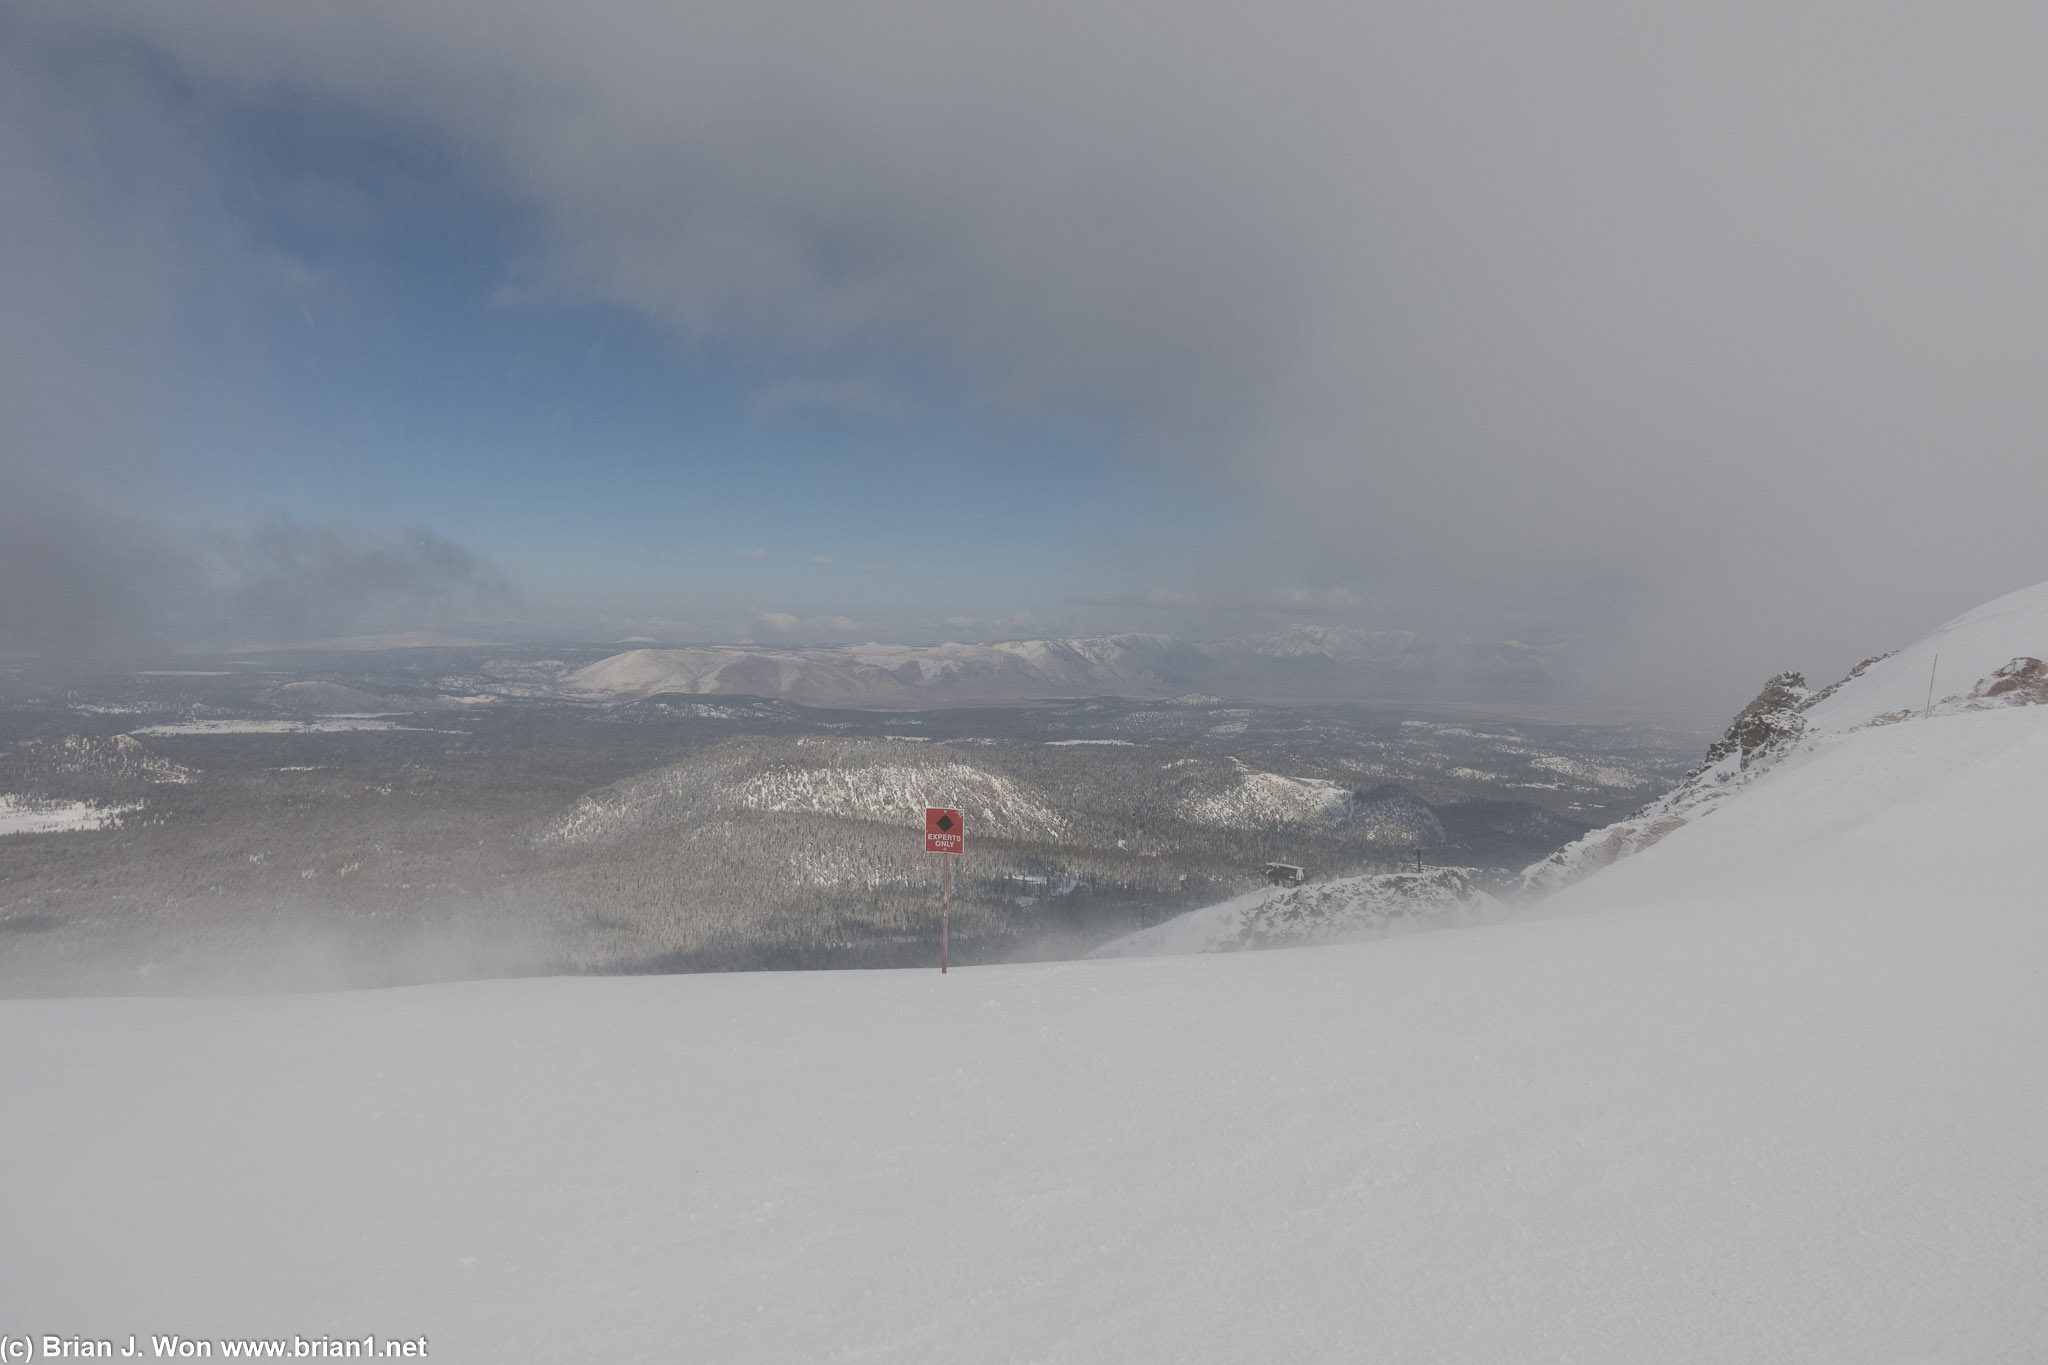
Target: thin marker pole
(945,906)
(1930,686)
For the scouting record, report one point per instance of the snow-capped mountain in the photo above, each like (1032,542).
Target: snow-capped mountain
(889,676)
(1299,662)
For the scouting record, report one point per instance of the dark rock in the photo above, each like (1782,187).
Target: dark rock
(1766,724)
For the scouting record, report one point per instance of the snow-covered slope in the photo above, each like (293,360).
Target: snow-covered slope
(854,780)
(1771,1090)
(1261,800)
(1955,659)
(1999,648)
(1340,910)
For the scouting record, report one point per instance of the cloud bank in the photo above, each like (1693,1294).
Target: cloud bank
(77,580)
(1706,336)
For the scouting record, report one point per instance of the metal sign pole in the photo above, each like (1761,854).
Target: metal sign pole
(945,833)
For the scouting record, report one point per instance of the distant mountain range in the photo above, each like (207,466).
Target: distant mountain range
(1300,663)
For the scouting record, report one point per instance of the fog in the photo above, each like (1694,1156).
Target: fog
(77,578)
(1688,343)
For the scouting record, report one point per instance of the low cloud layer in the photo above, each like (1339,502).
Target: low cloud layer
(75,580)
(1703,335)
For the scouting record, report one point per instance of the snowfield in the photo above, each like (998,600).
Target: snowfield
(27,815)
(324,725)
(1773,1089)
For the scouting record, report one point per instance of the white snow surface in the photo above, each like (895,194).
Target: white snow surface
(1994,653)
(1772,1090)
(1957,656)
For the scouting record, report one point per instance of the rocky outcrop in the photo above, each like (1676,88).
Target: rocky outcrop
(1762,733)
(2023,682)
(1766,726)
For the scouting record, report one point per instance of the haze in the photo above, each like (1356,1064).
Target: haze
(1683,344)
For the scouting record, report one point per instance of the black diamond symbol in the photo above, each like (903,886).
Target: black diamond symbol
(945,824)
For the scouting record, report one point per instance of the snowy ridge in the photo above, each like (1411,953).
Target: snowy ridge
(1298,661)
(2000,646)
(994,805)
(1957,658)
(878,675)
(1344,909)
(848,779)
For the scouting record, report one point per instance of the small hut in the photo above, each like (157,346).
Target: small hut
(1285,874)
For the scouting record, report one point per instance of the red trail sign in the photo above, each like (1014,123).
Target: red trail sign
(944,831)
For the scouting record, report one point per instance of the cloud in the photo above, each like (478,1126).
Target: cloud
(821,559)
(1284,601)
(645,629)
(844,396)
(1709,330)
(288,579)
(1014,625)
(76,580)
(754,553)
(784,623)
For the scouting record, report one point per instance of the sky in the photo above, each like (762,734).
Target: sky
(1684,343)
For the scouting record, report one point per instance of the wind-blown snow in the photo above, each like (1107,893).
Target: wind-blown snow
(1772,1090)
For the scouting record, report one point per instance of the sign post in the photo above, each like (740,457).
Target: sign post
(945,834)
